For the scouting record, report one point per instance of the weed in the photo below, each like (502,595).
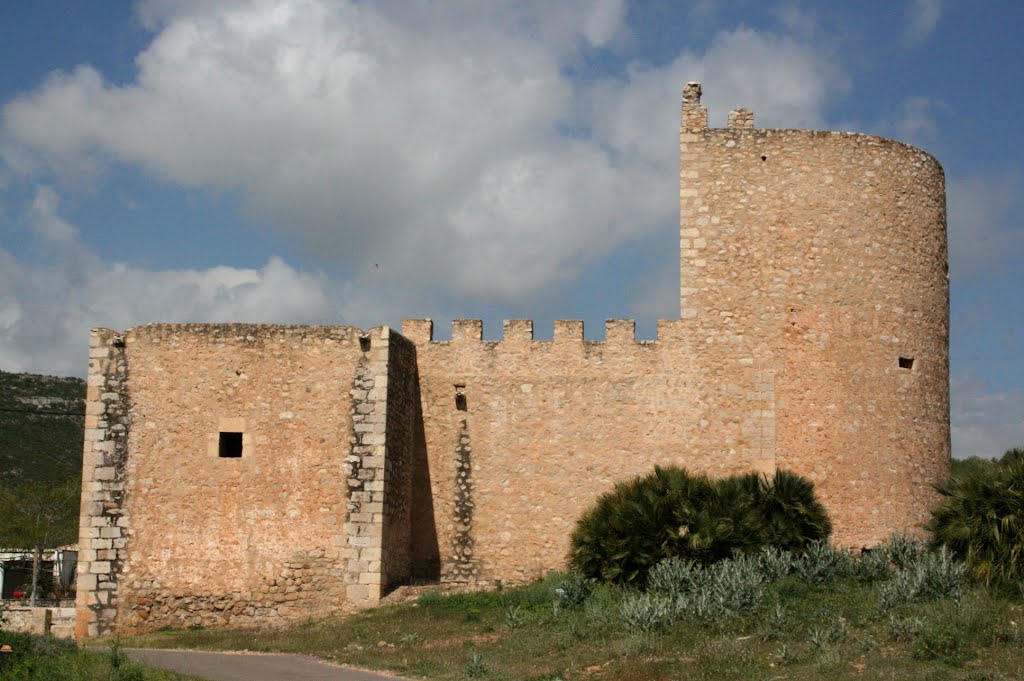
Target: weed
(867,644)
(932,575)
(672,577)
(775,563)
(513,618)
(475,667)
(902,551)
(646,612)
(431,599)
(776,623)
(785,655)
(411,639)
(828,659)
(822,563)
(573,591)
(115,657)
(819,639)
(835,632)
(904,628)
(872,566)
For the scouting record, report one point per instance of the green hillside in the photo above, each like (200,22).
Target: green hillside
(41,422)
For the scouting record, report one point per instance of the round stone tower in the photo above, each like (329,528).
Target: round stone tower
(814,284)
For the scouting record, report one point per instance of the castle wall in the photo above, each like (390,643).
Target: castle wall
(249,540)
(523,435)
(252,474)
(821,258)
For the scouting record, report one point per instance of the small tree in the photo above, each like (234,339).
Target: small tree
(35,516)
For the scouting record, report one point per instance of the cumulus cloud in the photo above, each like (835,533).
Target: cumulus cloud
(985,229)
(984,422)
(47,309)
(922,18)
(427,140)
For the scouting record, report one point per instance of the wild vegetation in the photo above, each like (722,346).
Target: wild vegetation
(982,517)
(674,513)
(41,420)
(902,612)
(909,609)
(37,658)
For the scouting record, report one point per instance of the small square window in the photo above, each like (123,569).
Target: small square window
(906,362)
(230,446)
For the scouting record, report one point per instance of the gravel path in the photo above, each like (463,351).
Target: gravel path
(249,666)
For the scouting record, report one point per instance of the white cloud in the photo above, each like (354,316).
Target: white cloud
(46,310)
(913,123)
(985,229)
(786,83)
(922,18)
(985,423)
(426,139)
(796,20)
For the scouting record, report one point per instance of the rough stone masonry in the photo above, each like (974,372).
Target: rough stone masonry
(251,474)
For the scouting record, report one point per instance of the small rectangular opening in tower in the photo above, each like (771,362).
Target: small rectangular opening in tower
(230,445)
(460,397)
(906,362)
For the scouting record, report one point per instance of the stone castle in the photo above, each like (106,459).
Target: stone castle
(249,474)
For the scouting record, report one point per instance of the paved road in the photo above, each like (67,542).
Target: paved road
(249,666)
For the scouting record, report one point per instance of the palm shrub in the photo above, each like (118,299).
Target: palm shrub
(639,523)
(982,522)
(672,513)
(792,515)
(1012,456)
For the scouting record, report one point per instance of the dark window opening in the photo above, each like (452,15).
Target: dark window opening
(230,446)
(460,398)
(906,362)
(764,158)
(364,343)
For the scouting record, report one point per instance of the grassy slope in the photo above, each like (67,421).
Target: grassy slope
(45,659)
(34,445)
(440,637)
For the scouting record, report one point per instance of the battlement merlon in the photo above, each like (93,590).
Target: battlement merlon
(695,116)
(741,118)
(617,332)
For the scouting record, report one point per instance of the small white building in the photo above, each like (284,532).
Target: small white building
(16,569)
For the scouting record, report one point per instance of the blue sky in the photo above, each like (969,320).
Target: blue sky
(354,162)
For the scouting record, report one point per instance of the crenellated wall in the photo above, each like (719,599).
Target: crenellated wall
(244,475)
(522,435)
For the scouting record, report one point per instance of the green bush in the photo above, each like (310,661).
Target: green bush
(792,515)
(673,513)
(822,563)
(573,590)
(982,521)
(1012,456)
(935,575)
(639,523)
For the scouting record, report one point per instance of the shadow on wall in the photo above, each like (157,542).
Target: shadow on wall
(426,556)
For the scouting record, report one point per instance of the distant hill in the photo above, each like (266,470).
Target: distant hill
(41,427)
